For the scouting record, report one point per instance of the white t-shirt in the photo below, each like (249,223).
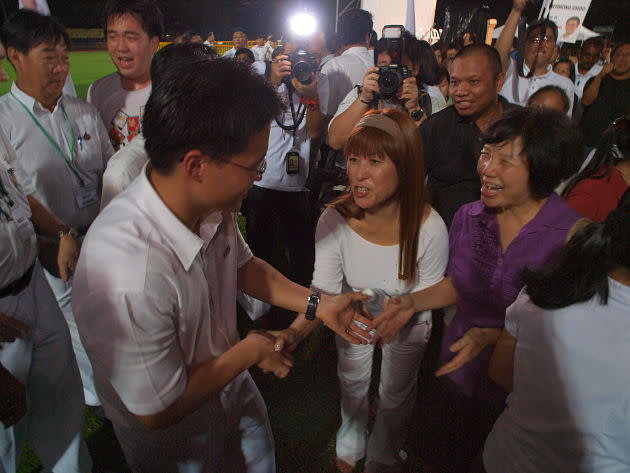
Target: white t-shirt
(123,167)
(39,167)
(527,86)
(341,74)
(345,261)
(151,298)
(280,143)
(120,109)
(229,54)
(570,408)
(18,243)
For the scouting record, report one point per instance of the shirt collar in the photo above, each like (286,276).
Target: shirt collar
(29,101)
(526,70)
(547,216)
(355,50)
(185,243)
(463,119)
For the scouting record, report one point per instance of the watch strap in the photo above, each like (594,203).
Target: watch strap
(311,308)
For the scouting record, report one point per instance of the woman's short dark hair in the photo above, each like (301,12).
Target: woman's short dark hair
(246,51)
(421,54)
(551,88)
(146,11)
(566,60)
(26,29)
(552,145)
(213,106)
(581,269)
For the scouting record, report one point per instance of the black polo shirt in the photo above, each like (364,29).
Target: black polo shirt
(451,145)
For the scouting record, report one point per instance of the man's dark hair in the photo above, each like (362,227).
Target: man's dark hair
(574,18)
(373,38)
(552,145)
(196,106)
(353,26)
(540,27)
(172,55)
(483,50)
(551,88)
(26,29)
(146,11)
(238,29)
(332,42)
(596,42)
(247,51)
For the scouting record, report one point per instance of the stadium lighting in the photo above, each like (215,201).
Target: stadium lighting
(303,24)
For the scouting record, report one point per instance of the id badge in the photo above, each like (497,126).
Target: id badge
(292,159)
(23,222)
(86,196)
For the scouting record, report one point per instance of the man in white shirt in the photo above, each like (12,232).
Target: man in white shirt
(345,71)
(209,39)
(133,29)
(36,357)
(537,64)
(588,65)
(60,142)
(239,40)
(125,165)
(259,48)
(157,278)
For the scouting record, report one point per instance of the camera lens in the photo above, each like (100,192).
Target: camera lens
(389,82)
(302,71)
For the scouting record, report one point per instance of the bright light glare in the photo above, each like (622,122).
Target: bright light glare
(303,24)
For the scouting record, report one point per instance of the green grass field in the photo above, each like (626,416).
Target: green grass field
(85,68)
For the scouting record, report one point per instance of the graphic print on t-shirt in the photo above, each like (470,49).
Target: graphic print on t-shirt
(124,128)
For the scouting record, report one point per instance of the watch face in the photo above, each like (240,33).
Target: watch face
(417,114)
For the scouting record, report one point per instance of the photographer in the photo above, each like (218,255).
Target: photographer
(368,96)
(277,207)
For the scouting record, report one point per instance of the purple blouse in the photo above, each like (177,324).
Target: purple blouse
(488,281)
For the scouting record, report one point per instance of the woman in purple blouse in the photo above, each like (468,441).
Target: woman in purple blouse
(519,222)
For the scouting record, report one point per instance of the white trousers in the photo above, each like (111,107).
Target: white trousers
(63,292)
(397,394)
(44,362)
(231,434)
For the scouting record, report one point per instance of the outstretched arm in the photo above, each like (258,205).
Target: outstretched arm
(504,43)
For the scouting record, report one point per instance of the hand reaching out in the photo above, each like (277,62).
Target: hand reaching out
(397,312)
(468,347)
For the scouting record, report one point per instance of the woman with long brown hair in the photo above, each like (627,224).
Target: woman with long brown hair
(383,239)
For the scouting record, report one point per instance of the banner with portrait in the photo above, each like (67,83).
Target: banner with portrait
(568,15)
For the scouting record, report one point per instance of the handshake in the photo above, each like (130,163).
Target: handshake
(358,317)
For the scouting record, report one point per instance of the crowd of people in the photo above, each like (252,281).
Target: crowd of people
(488,194)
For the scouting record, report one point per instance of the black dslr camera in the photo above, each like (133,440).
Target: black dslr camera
(303,64)
(391,77)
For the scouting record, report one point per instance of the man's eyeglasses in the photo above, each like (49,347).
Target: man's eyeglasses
(257,170)
(541,39)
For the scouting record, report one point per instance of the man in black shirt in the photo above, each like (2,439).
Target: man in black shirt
(607,96)
(451,138)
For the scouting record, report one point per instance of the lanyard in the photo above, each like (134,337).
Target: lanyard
(69,160)
(4,195)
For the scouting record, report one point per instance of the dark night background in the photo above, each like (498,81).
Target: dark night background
(269,16)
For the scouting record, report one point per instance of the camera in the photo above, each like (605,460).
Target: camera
(303,65)
(392,76)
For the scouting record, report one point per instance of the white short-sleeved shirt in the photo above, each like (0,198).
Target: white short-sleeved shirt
(151,297)
(229,54)
(527,86)
(41,170)
(570,408)
(123,167)
(582,79)
(341,74)
(351,97)
(259,52)
(280,143)
(120,109)
(18,242)
(345,261)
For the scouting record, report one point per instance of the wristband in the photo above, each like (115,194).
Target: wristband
(363,101)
